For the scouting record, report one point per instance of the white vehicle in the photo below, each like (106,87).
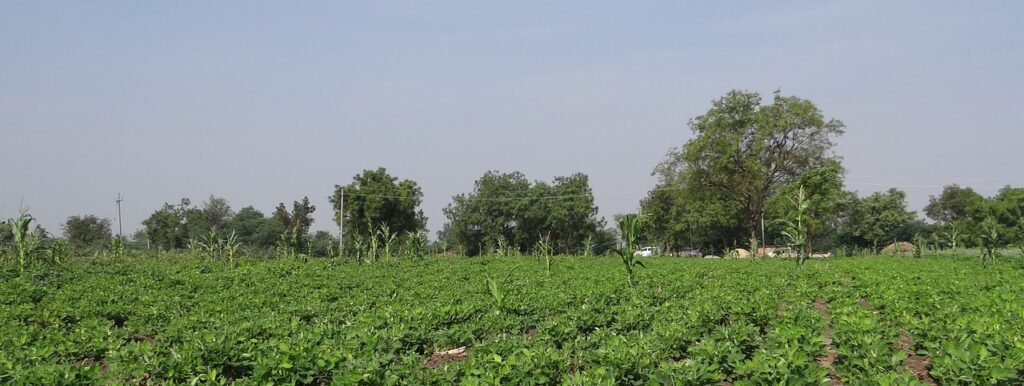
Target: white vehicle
(644,252)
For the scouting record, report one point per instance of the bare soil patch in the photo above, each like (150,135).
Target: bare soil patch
(917,364)
(829,358)
(441,357)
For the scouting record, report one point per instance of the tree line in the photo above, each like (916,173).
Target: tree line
(727,187)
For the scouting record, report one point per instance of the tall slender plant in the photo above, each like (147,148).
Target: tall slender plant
(117,247)
(630,226)
(26,244)
(387,240)
(795,231)
(497,290)
(231,245)
(989,237)
(919,245)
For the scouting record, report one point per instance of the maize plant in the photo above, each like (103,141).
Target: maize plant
(195,248)
(496,288)
(989,241)
(358,246)
(795,231)
(231,247)
(919,244)
(543,251)
(415,245)
(951,236)
(387,240)
(59,251)
(288,243)
(26,245)
(589,246)
(630,226)
(117,247)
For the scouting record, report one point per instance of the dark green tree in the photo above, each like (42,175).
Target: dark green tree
(877,219)
(954,205)
(744,150)
(249,226)
(217,212)
(375,197)
(826,200)
(165,228)
(506,209)
(89,231)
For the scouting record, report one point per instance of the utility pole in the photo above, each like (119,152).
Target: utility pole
(763,242)
(341,223)
(119,230)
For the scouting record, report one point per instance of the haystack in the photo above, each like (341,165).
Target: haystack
(898,248)
(739,253)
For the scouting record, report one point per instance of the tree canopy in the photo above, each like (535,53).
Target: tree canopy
(507,210)
(743,153)
(87,231)
(375,197)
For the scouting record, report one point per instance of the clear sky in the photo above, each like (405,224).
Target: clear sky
(264,102)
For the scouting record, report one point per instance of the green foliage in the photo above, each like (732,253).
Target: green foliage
(795,230)
(87,232)
(630,226)
(990,240)
(59,252)
(876,219)
(919,245)
(744,150)
(117,247)
(25,244)
(415,245)
(375,197)
(497,290)
(175,321)
(507,209)
(827,202)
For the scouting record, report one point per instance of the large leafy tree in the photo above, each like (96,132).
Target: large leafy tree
(87,231)
(295,223)
(375,197)
(254,229)
(745,150)
(955,204)
(683,215)
(165,228)
(826,200)
(217,212)
(879,218)
(505,208)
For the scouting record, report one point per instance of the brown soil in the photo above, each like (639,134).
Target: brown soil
(864,303)
(104,366)
(441,357)
(917,364)
(829,358)
(143,338)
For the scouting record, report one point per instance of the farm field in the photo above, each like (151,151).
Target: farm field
(869,320)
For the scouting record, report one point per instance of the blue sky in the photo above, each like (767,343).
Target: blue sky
(264,102)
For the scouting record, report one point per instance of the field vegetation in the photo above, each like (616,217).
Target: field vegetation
(513,320)
(525,284)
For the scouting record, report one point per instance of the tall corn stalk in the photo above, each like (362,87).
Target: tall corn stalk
(989,241)
(544,251)
(26,244)
(415,245)
(117,247)
(388,240)
(796,231)
(497,290)
(630,226)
